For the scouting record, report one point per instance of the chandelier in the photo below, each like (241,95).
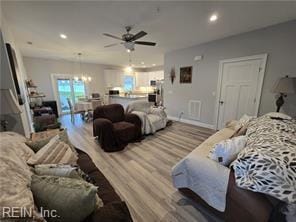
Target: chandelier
(84,77)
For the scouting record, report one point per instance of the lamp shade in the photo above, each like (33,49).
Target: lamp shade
(286,85)
(8,103)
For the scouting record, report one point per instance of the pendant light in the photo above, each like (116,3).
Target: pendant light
(84,78)
(129,69)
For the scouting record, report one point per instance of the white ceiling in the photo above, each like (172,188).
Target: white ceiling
(173,25)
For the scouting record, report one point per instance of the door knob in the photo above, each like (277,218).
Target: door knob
(221,102)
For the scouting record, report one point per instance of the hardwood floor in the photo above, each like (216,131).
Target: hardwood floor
(141,174)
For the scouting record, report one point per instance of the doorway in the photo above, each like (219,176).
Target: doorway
(66,87)
(239,88)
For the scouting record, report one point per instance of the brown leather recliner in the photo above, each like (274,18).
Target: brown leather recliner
(114,128)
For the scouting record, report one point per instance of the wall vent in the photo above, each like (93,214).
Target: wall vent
(194,109)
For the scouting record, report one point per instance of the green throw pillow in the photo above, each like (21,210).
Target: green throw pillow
(37,145)
(72,199)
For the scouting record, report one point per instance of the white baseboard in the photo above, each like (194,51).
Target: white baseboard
(192,122)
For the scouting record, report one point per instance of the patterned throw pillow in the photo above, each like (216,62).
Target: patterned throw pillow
(54,152)
(38,144)
(72,199)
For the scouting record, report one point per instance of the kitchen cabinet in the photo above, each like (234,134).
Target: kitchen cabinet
(156,75)
(143,78)
(113,78)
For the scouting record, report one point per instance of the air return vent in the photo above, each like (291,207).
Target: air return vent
(194,107)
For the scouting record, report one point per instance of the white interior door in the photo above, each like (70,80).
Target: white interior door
(240,90)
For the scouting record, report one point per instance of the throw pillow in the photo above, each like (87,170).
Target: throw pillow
(60,170)
(227,150)
(38,144)
(15,177)
(65,138)
(233,124)
(240,132)
(54,152)
(245,119)
(73,199)
(278,116)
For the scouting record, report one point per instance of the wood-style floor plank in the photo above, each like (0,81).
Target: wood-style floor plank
(141,173)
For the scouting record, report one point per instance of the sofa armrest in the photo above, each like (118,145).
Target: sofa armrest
(205,177)
(134,119)
(100,124)
(158,111)
(246,204)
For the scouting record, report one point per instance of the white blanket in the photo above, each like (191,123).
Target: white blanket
(152,118)
(207,178)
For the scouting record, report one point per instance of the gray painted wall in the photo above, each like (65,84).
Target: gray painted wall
(278,41)
(40,70)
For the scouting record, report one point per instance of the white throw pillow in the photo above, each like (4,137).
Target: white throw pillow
(278,115)
(227,150)
(245,119)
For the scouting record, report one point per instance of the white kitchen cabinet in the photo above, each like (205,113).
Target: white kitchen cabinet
(156,75)
(142,79)
(113,78)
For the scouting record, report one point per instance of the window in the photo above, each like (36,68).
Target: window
(68,88)
(79,89)
(129,83)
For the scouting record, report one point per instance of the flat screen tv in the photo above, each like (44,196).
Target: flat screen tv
(14,69)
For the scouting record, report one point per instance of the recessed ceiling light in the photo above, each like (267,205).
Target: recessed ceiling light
(63,36)
(213,17)
(128,50)
(153,64)
(142,63)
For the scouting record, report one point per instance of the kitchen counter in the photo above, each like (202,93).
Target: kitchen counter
(124,100)
(129,96)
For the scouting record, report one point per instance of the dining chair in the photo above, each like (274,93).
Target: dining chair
(71,110)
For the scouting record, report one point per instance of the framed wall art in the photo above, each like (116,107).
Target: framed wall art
(186,74)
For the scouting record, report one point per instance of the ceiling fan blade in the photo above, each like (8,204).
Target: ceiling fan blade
(138,35)
(112,36)
(145,43)
(107,46)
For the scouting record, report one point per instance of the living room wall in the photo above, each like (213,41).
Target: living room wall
(40,70)
(21,123)
(277,41)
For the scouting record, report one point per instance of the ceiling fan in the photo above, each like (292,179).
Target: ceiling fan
(129,40)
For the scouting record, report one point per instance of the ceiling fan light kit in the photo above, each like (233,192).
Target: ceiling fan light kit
(129,40)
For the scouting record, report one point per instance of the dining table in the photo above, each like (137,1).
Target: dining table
(86,107)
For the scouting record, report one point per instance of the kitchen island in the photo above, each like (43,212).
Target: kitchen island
(124,100)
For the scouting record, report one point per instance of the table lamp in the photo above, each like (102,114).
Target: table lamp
(8,105)
(284,86)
